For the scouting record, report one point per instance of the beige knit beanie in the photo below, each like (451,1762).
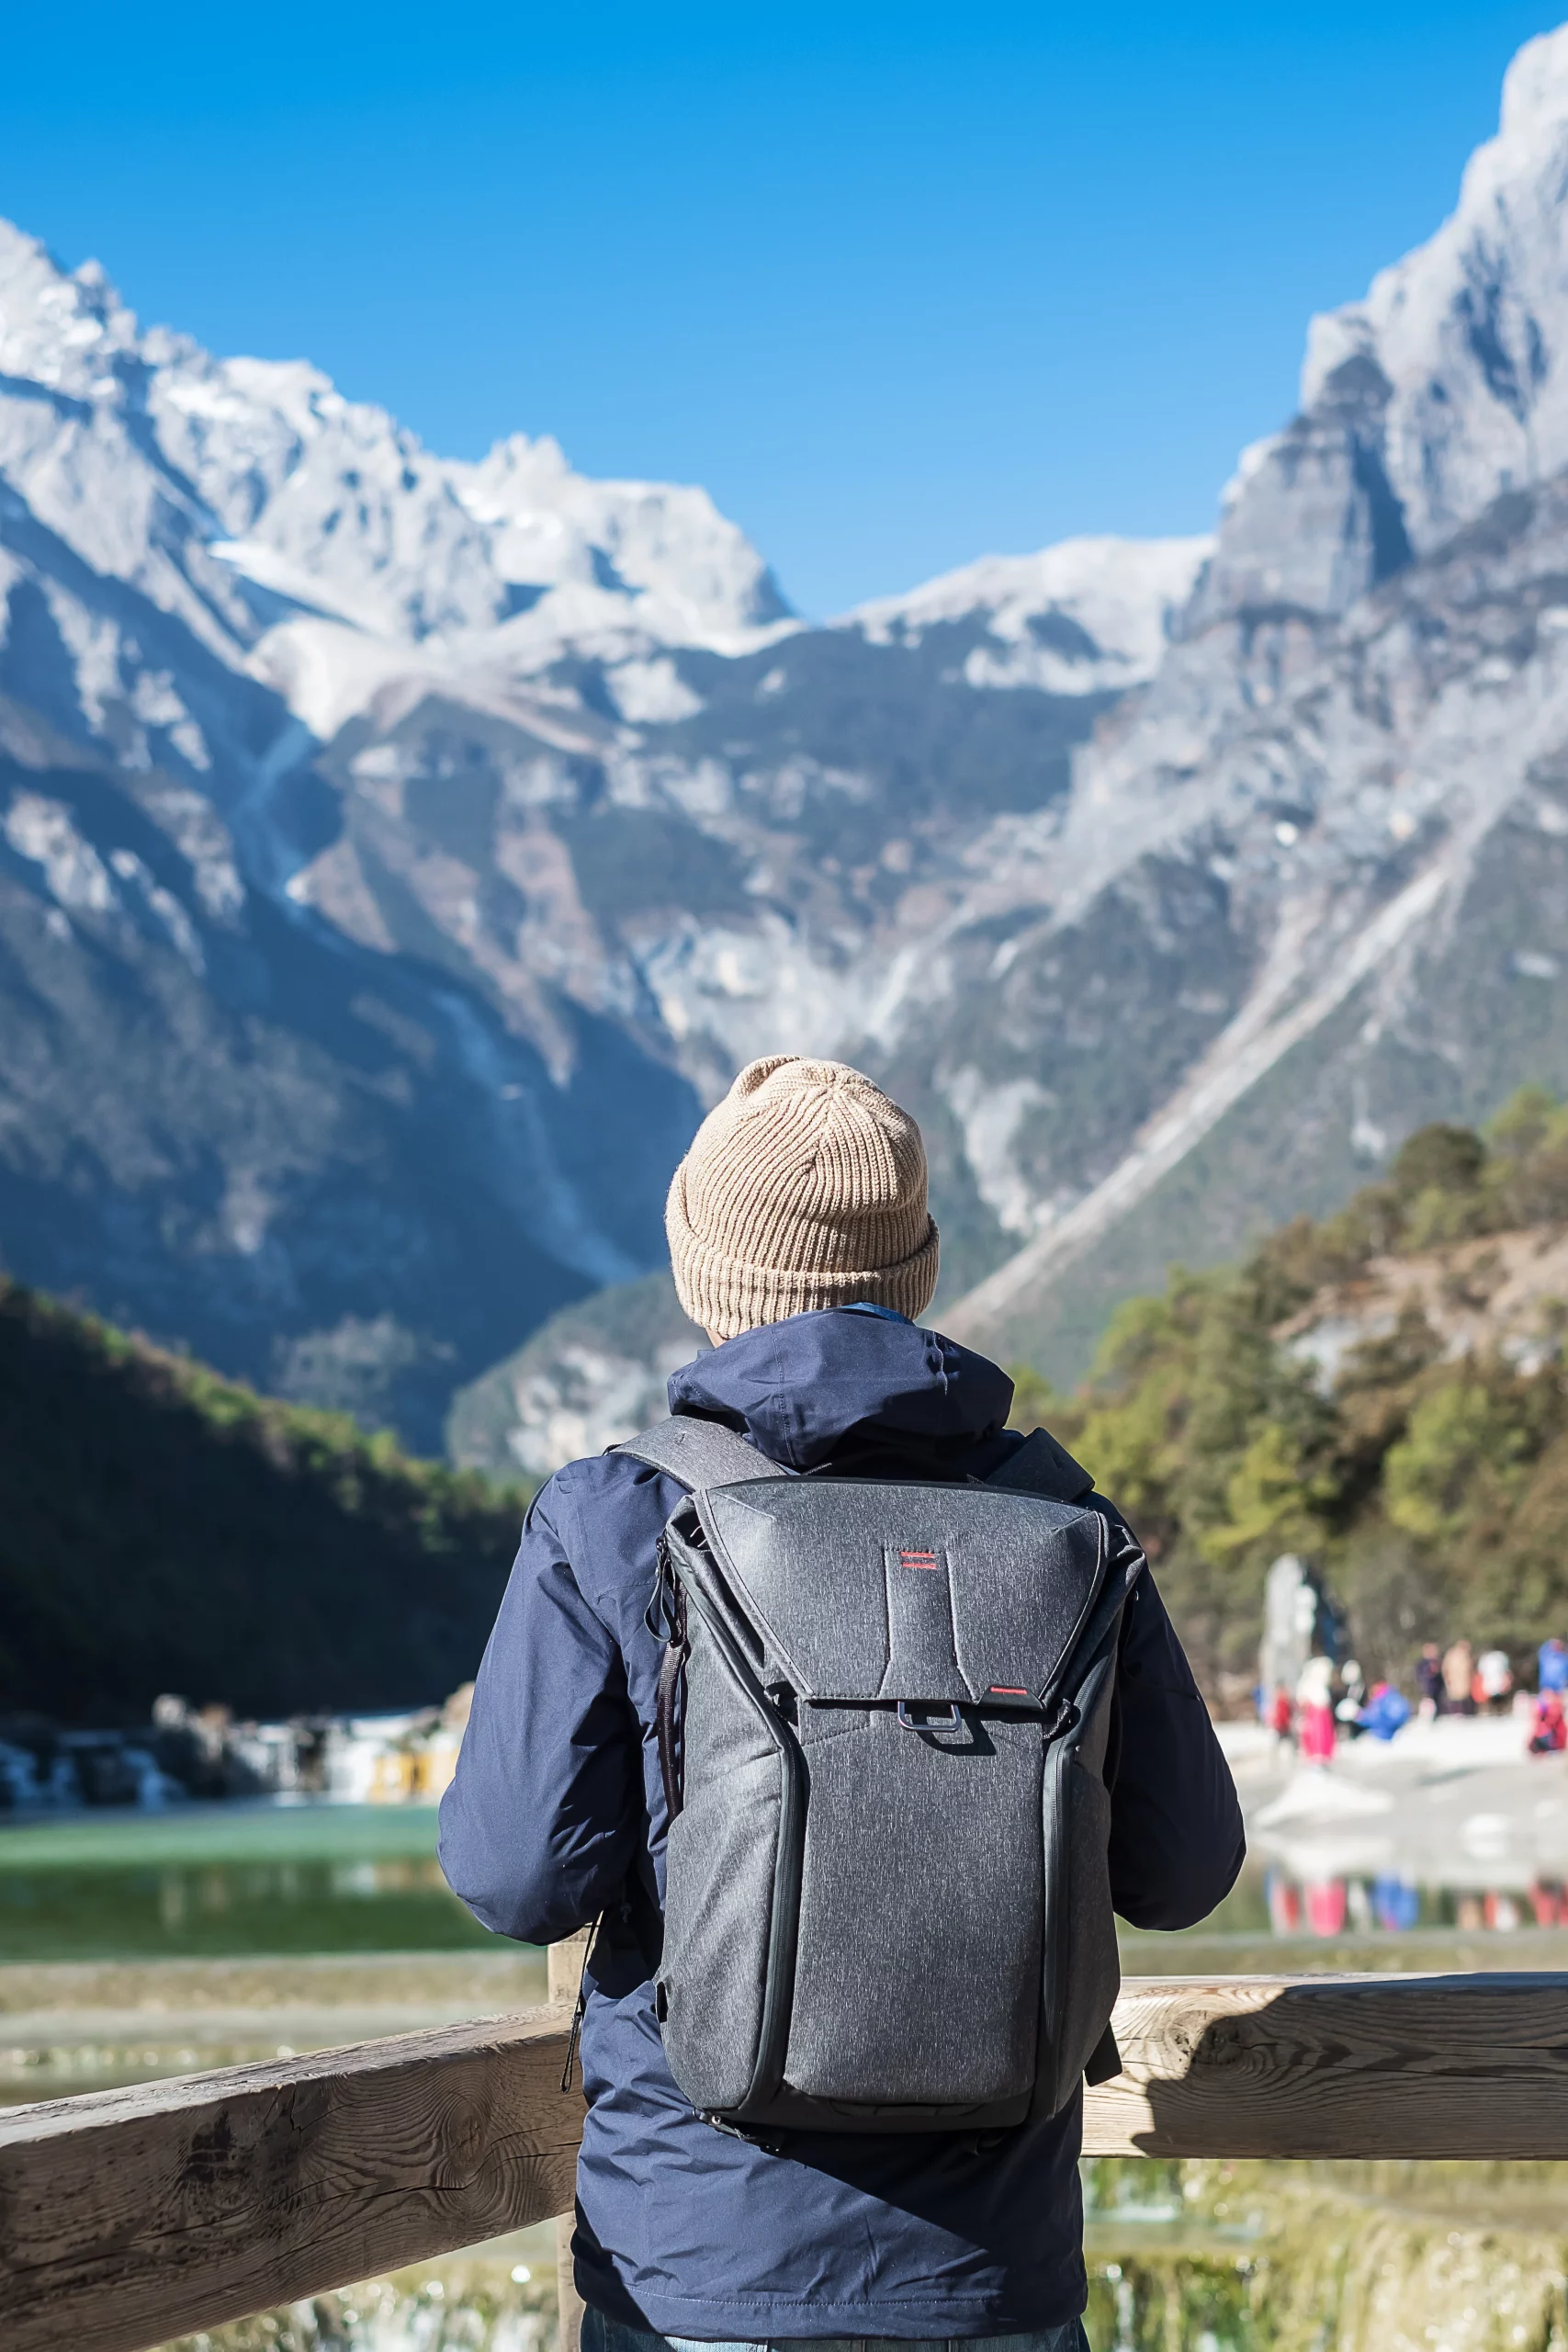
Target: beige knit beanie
(806,1187)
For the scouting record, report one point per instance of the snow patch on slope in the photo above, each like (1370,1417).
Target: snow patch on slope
(1078,617)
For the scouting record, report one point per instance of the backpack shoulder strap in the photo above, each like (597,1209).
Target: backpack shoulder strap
(1041,1466)
(700,1454)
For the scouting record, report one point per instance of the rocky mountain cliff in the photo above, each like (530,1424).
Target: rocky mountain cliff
(398,853)
(1360,743)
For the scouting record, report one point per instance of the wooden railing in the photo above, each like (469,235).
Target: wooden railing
(128,2217)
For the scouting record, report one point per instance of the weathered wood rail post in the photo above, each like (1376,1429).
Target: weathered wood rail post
(128,2217)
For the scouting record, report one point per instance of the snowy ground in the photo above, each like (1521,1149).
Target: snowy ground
(1457,1802)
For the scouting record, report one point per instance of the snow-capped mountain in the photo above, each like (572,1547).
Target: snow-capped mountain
(327,502)
(361,850)
(251,499)
(394,853)
(1445,386)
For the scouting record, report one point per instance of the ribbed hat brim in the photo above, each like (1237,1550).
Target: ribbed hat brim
(726,1296)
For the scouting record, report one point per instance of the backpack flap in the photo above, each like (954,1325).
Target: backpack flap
(864,1592)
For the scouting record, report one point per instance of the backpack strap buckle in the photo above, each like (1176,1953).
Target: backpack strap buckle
(951,1721)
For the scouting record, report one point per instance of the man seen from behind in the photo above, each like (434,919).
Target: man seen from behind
(801,1241)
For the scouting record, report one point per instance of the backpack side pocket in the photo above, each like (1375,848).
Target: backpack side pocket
(1083,1971)
(723,1974)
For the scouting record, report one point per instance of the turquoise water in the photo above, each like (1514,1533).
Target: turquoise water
(228,1881)
(241,1880)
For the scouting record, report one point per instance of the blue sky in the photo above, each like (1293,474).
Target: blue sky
(900,286)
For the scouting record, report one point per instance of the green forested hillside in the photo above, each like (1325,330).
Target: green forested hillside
(1355,1392)
(163,1530)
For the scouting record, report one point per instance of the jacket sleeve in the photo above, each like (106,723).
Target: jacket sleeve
(1176,1840)
(545,1817)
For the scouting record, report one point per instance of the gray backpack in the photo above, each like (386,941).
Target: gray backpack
(887,1901)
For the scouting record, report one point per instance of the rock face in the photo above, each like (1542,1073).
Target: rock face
(1503,1294)
(395,854)
(1382,803)
(593,1375)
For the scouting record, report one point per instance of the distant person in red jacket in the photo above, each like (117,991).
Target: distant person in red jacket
(1315,1711)
(1551,1733)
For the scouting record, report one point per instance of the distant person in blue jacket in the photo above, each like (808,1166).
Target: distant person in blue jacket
(1551,1661)
(1387,1710)
(800,1238)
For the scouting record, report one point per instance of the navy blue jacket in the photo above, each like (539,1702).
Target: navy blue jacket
(556,1815)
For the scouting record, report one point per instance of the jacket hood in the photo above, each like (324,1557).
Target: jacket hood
(810,1389)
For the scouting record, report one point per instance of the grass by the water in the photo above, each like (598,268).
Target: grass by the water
(109,1838)
(214,1881)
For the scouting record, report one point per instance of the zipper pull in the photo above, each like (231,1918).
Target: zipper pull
(660,1614)
(580,2008)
